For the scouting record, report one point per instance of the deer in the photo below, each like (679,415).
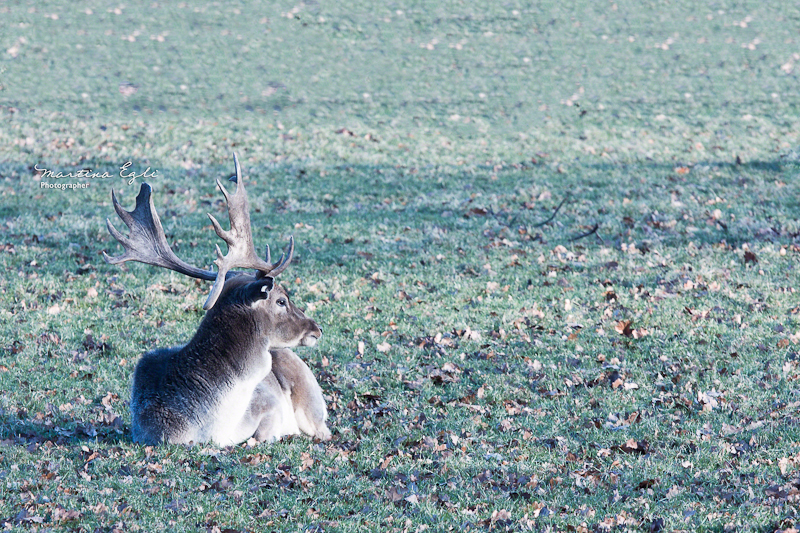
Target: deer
(237,377)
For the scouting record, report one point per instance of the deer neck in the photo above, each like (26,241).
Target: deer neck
(231,337)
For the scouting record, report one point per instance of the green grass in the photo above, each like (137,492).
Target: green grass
(415,180)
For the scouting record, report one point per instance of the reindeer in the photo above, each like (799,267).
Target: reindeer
(237,377)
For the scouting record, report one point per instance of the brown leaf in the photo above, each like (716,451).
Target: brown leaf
(253,459)
(64,515)
(395,494)
(16,347)
(447,374)
(648,483)
(306,461)
(383,347)
(91,345)
(623,327)
(633,446)
(108,399)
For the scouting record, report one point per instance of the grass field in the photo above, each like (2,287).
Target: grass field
(554,252)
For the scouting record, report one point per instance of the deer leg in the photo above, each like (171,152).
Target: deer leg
(306,395)
(271,412)
(264,412)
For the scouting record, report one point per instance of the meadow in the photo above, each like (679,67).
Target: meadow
(553,250)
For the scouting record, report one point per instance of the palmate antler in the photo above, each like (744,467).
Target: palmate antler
(148,244)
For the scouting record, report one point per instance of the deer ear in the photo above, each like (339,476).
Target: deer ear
(257,290)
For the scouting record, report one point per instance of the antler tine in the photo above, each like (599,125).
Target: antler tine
(129,221)
(241,252)
(147,242)
(238,169)
(284,260)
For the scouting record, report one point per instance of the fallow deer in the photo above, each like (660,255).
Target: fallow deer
(237,377)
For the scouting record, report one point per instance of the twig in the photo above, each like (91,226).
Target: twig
(496,216)
(590,232)
(540,224)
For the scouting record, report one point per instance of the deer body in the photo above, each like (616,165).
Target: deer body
(237,377)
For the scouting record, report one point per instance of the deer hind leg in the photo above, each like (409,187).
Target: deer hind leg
(308,404)
(270,411)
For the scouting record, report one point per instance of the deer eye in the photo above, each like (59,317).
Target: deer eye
(281,302)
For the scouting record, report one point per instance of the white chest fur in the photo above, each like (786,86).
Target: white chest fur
(229,423)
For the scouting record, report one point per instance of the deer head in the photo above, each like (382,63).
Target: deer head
(148,244)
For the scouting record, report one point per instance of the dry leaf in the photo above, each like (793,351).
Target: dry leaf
(500,515)
(623,327)
(383,347)
(783,464)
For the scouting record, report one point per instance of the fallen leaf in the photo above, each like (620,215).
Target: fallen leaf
(395,494)
(672,492)
(623,327)
(648,483)
(383,347)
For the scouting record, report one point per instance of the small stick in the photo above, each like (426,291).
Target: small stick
(590,232)
(540,224)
